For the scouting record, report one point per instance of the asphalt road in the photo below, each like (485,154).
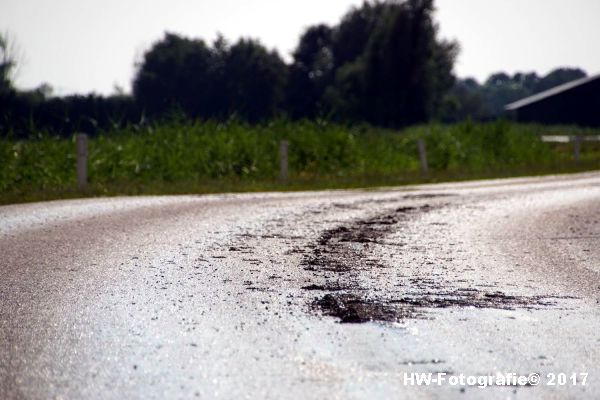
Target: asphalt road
(333,294)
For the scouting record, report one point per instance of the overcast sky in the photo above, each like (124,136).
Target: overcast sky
(79,46)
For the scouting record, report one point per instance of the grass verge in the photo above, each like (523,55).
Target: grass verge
(182,157)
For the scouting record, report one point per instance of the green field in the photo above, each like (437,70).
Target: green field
(205,157)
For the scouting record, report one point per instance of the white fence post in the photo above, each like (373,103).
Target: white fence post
(82,156)
(423,156)
(283,161)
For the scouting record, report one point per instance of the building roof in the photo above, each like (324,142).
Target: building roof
(550,92)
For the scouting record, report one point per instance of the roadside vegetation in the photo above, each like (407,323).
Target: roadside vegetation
(204,157)
(203,117)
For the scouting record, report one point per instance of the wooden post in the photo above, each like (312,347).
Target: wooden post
(82,156)
(283,161)
(423,156)
(577,147)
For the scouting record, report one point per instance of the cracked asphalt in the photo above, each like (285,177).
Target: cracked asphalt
(310,295)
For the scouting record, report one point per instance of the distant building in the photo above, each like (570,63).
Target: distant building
(574,103)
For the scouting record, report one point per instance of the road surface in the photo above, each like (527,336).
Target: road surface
(312,295)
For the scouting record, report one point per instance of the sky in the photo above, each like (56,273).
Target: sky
(82,46)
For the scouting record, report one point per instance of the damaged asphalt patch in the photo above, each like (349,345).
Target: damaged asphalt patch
(342,256)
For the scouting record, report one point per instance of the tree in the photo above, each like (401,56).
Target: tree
(498,79)
(311,72)
(469,99)
(176,73)
(210,81)
(529,81)
(403,73)
(501,89)
(352,34)
(558,77)
(8,63)
(254,80)
(464,101)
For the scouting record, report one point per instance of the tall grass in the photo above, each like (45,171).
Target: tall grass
(182,156)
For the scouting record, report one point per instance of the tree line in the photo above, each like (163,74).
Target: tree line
(383,64)
(486,101)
